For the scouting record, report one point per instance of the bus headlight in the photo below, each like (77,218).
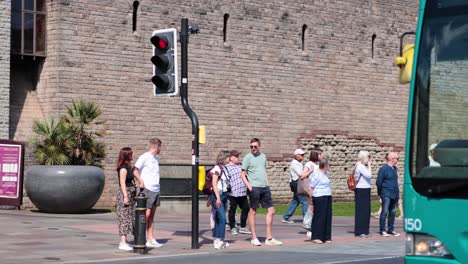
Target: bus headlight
(425,245)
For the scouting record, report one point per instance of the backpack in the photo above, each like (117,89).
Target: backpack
(208,186)
(350,180)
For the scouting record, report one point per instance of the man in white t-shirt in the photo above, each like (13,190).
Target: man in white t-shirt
(295,172)
(147,167)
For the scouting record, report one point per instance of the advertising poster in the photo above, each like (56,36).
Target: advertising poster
(10,158)
(11,172)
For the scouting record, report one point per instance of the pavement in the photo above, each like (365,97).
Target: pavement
(35,237)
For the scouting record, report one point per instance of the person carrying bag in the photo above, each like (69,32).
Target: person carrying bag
(351,180)
(362,190)
(295,172)
(303,186)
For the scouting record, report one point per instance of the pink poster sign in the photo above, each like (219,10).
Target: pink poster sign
(10,170)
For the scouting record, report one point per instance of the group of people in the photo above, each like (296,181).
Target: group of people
(318,199)
(231,181)
(146,171)
(246,186)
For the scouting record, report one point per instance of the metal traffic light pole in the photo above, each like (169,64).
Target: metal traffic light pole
(184,36)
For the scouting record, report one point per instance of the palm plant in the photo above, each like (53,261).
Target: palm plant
(80,118)
(71,139)
(52,142)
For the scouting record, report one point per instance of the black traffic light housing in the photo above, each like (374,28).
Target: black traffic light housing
(165,77)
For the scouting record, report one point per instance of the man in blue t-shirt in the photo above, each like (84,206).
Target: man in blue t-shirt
(387,188)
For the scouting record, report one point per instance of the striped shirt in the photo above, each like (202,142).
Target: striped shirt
(233,173)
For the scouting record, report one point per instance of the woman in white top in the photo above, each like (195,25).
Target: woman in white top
(219,199)
(322,199)
(309,168)
(362,177)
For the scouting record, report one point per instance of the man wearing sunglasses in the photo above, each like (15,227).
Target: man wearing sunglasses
(255,177)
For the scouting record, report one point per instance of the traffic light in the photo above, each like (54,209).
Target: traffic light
(165,62)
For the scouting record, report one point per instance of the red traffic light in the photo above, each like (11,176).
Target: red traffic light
(160,42)
(164,60)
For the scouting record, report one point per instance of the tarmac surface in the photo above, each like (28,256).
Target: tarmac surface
(35,237)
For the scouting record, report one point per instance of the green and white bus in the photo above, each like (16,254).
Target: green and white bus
(436,161)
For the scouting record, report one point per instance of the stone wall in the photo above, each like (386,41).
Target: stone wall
(261,82)
(341,150)
(5,31)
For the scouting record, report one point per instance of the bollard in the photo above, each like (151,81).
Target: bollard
(139,232)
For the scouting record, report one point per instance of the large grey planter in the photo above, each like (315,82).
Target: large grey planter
(64,189)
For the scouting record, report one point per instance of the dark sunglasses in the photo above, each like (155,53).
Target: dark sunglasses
(253,147)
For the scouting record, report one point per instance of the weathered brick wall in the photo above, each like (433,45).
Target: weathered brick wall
(259,83)
(31,102)
(34,93)
(5,27)
(341,150)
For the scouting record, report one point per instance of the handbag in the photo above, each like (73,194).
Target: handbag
(293,186)
(303,186)
(350,180)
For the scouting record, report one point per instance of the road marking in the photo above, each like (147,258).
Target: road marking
(363,259)
(131,258)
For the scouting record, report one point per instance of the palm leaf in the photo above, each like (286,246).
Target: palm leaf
(67,140)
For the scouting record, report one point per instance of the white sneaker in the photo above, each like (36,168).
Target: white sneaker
(393,233)
(219,244)
(244,230)
(384,234)
(153,244)
(125,246)
(234,231)
(309,235)
(255,242)
(288,221)
(273,242)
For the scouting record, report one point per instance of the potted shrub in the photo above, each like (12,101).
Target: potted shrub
(68,177)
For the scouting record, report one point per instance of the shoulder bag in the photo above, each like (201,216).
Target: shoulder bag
(350,180)
(303,186)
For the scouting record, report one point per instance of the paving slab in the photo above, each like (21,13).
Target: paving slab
(34,237)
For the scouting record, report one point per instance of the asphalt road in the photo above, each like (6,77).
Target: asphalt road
(387,252)
(267,258)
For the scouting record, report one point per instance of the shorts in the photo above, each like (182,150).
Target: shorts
(153,198)
(260,196)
